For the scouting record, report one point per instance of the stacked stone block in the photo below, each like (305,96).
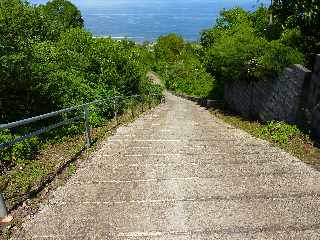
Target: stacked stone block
(294,97)
(314,97)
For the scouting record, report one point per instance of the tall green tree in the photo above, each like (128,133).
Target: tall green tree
(20,26)
(169,48)
(48,61)
(303,15)
(64,13)
(238,48)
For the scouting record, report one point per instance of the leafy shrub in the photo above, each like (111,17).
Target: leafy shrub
(189,78)
(19,153)
(178,63)
(238,52)
(275,58)
(91,68)
(280,132)
(169,48)
(208,37)
(303,15)
(292,38)
(49,62)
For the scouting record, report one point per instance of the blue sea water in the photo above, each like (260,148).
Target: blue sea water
(146,20)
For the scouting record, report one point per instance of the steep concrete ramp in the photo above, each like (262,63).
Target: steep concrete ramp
(179,173)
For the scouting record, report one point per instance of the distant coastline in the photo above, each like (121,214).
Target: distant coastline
(119,38)
(147,20)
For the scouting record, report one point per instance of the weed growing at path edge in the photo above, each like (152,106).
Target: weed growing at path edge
(280,132)
(288,137)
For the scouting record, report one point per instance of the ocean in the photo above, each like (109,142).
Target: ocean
(146,20)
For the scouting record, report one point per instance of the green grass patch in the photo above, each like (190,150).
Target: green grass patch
(286,136)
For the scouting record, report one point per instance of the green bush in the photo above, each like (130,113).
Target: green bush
(274,59)
(79,69)
(303,15)
(280,132)
(292,38)
(49,62)
(236,50)
(178,63)
(19,153)
(169,48)
(189,78)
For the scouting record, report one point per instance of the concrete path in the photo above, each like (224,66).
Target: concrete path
(179,173)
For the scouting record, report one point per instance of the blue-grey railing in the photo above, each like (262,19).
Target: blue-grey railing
(85,116)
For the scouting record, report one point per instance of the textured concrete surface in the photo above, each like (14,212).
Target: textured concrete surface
(179,173)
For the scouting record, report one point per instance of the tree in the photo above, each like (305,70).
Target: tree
(238,49)
(303,15)
(20,26)
(65,13)
(169,48)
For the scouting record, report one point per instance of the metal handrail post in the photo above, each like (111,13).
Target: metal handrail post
(115,110)
(142,99)
(163,99)
(150,101)
(4,217)
(87,125)
(132,106)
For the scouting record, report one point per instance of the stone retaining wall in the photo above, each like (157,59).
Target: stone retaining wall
(314,98)
(294,97)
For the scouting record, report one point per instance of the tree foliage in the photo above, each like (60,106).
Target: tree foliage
(169,48)
(64,13)
(20,26)
(48,62)
(178,63)
(303,15)
(239,47)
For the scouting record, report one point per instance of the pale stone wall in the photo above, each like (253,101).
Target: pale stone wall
(276,99)
(314,97)
(294,97)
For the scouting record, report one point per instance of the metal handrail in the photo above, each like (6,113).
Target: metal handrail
(38,132)
(4,217)
(86,116)
(37,118)
(46,116)
(56,113)
(316,107)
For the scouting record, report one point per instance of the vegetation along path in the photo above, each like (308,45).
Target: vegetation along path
(179,173)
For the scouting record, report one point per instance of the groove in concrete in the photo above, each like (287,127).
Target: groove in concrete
(179,173)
